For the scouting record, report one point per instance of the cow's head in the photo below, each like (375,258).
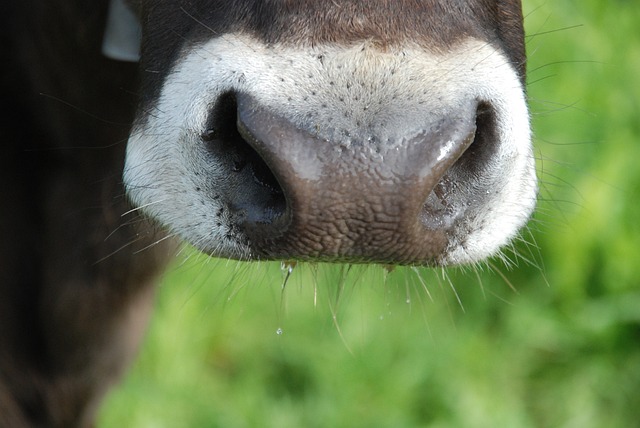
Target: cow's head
(389,131)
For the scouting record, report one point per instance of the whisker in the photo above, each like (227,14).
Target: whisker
(128,244)
(168,236)
(140,207)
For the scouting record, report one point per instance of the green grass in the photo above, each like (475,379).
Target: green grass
(370,348)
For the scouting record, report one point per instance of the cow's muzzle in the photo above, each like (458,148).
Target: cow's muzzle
(359,198)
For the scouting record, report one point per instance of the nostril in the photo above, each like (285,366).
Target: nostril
(221,121)
(258,197)
(462,182)
(478,156)
(262,173)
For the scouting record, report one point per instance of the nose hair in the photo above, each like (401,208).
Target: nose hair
(355,199)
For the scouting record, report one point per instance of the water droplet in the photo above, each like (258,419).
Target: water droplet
(408,301)
(287,266)
(446,150)
(389,268)
(279,331)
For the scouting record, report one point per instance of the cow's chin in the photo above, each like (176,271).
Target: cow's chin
(334,153)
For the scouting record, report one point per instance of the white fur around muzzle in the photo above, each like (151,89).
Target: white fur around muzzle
(166,162)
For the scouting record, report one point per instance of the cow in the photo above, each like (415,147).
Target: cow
(348,131)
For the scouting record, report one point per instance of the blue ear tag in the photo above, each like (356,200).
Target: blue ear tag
(122,34)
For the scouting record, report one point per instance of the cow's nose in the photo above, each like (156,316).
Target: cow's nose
(357,198)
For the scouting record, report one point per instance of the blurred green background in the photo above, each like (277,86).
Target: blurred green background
(552,341)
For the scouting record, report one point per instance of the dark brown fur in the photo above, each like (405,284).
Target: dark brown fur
(74,296)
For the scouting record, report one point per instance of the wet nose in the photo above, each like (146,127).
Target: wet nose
(357,198)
